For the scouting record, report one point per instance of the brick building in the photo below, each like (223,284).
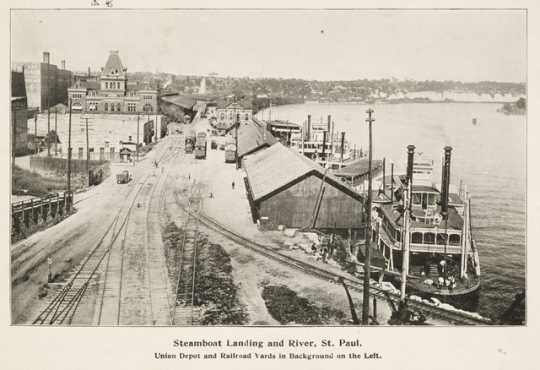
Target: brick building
(45,83)
(111,92)
(19,113)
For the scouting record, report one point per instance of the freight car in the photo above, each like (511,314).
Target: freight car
(190,141)
(230,153)
(201,145)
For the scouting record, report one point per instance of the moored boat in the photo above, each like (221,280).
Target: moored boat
(424,233)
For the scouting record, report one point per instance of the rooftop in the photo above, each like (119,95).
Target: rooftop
(359,168)
(113,66)
(278,167)
(253,136)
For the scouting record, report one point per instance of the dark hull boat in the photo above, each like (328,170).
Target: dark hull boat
(423,232)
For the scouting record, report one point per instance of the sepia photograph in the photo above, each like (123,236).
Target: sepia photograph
(268,167)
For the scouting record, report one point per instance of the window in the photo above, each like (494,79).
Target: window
(112,107)
(429,238)
(118,107)
(80,153)
(118,85)
(131,107)
(441,238)
(222,116)
(455,239)
(106,107)
(416,238)
(247,116)
(432,199)
(417,198)
(106,85)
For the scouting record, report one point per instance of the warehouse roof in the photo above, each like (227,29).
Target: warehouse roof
(359,168)
(185,102)
(253,136)
(279,167)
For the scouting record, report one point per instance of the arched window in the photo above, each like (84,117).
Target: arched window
(416,238)
(247,116)
(112,107)
(222,116)
(106,107)
(230,116)
(118,85)
(441,238)
(455,239)
(118,107)
(106,85)
(429,238)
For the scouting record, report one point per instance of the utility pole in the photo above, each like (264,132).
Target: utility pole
(35,133)
(56,132)
(391,183)
(87,150)
(69,150)
(236,139)
(14,146)
(48,112)
(405,240)
(367,262)
(137,149)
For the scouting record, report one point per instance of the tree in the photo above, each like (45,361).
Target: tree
(521,103)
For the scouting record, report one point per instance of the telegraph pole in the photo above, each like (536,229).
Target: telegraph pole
(56,132)
(48,112)
(367,262)
(35,132)
(69,151)
(137,149)
(87,150)
(236,139)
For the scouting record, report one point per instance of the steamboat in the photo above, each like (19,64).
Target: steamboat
(322,144)
(424,235)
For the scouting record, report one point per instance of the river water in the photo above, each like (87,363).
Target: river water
(490,157)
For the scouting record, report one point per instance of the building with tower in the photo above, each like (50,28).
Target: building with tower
(111,92)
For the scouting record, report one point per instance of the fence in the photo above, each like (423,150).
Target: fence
(28,216)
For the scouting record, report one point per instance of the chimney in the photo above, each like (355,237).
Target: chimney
(332,138)
(63,64)
(410,164)
(329,123)
(384,175)
(445,181)
(88,71)
(323,154)
(46,57)
(309,127)
(342,144)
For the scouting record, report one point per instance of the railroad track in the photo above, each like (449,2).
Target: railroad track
(185,311)
(61,309)
(454,317)
(135,288)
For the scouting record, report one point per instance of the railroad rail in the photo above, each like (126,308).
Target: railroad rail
(63,307)
(450,316)
(185,292)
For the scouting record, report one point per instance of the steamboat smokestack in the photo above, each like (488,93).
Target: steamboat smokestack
(410,163)
(329,123)
(445,181)
(323,156)
(309,127)
(342,144)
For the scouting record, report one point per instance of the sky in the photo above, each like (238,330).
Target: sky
(472,45)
